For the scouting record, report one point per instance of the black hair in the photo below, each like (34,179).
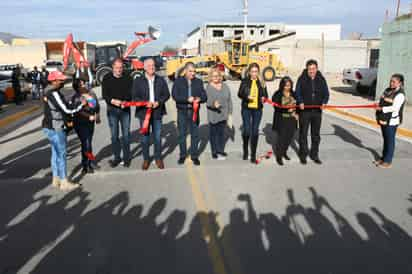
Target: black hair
(400,78)
(120,60)
(189,64)
(311,62)
(283,83)
(253,65)
(76,84)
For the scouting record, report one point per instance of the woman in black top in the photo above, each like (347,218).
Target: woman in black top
(285,120)
(84,122)
(253,92)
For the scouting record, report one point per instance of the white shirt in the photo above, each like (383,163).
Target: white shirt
(151,89)
(395,108)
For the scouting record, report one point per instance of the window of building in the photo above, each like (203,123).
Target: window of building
(274,32)
(238,32)
(218,33)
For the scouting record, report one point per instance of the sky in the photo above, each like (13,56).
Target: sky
(103,20)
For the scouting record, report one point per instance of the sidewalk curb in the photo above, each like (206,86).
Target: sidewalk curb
(17,116)
(360,118)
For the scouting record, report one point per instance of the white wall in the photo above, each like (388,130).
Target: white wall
(331,32)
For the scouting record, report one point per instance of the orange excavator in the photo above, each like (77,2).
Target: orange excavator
(106,54)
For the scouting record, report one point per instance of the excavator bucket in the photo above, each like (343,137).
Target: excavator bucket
(154,33)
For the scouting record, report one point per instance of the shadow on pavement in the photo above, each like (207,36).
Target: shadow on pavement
(116,237)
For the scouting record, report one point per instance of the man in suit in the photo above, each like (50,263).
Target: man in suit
(187,92)
(153,89)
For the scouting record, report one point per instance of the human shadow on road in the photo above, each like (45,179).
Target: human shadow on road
(348,137)
(117,236)
(31,159)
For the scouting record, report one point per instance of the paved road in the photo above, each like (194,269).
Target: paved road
(223,217)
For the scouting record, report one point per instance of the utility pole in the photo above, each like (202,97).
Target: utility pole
(398,8)
(245,15)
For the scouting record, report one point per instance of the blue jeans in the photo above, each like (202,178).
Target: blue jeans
(85,133)
(156,126)
(58,143)
(184,121)
(389,137)
(217,137)
(116,116)
(251,121)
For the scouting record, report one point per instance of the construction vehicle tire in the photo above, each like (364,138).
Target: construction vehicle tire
(101,73)
(269,74)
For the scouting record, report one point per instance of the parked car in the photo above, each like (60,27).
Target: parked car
(362,79)
(53,65)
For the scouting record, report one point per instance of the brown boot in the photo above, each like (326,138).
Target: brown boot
(146,165)
(160,164)
(56,182)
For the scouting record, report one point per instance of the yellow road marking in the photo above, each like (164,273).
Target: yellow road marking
(208,233)
(401,131)
(17,116)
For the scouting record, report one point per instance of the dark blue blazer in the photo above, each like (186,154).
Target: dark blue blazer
(180,92)
(140,92)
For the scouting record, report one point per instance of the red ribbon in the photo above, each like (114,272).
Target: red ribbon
(144,129)
(90,156)
(270,102)
(195,110)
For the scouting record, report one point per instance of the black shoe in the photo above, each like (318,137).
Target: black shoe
(126,164)
(196,162)
(287,158)
(279,161)
(303,160)
(253,159)
(316,160)
(90,170)
(224,154)
(181,161)
(114,163)
(95,166)
(214,156)
(85,171)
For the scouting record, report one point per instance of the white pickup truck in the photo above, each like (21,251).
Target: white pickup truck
(362,79)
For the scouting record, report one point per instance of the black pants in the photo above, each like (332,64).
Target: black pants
(85,132)
(217,137)
(286,132)
(17,94)
(312,118)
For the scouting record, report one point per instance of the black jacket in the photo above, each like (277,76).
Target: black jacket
(141,92)
(312,92)
(277,114)
(83,116)
(244,92)
(180,92)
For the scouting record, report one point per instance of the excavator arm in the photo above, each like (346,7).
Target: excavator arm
(71,47)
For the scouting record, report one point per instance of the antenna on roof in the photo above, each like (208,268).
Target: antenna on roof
(245,12)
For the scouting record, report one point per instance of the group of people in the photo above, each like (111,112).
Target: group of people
(300,108)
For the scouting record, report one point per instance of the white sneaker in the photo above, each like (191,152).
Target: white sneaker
(221,158)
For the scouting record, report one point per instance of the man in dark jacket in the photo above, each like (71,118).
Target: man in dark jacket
(153,89)
(311,89)
(15,80)
(188,91)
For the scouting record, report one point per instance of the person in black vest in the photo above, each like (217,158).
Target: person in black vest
(285,120)
(311,89)
(389,116)
(116,89)
(252,92)
(187,90)
(151,88)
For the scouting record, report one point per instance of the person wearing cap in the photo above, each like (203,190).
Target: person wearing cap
(56,109)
